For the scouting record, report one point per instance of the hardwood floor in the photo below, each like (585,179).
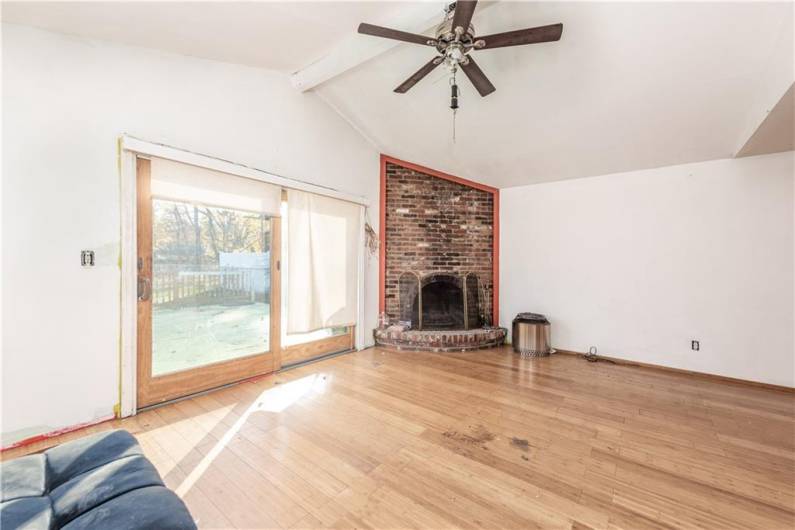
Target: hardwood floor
(485,439)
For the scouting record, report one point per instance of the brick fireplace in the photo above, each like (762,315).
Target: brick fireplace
(438,256)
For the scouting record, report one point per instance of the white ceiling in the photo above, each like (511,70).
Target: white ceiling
(629,86)
(280,36)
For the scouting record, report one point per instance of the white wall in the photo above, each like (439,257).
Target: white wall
(640,263)
(65,102)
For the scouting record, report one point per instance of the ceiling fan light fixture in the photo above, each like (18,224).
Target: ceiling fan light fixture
(456,53)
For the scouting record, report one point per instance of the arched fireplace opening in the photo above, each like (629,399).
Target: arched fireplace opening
(442,303)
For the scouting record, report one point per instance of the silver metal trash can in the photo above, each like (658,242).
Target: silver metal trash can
(531,335)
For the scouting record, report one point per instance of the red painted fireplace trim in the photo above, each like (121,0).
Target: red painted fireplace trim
(495,267)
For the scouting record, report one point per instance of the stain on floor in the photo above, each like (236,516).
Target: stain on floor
(478,435)
(520,443)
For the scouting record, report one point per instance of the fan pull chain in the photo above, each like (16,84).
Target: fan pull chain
(453,126)
(453,100)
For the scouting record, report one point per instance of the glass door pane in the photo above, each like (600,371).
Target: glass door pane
(211,284)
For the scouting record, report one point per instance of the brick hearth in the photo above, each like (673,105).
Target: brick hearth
(439,341)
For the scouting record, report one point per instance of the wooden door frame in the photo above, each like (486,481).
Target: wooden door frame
(305,351)
(127,149)
(153,390)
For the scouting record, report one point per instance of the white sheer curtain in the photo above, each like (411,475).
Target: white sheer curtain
(322,269)
(182,182)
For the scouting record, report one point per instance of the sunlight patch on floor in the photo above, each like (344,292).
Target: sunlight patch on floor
(276,400)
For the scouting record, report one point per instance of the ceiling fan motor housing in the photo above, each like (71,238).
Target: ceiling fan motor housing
(445,32)
(451,46)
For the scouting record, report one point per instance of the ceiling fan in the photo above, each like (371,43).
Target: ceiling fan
(455,39)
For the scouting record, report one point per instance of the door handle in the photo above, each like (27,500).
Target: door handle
(144,288)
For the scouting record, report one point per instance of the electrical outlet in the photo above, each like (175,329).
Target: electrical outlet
(694,345)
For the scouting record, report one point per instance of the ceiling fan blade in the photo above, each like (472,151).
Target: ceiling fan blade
(462,16)
(478,78)
(388,33)
(419,74)
(522,36)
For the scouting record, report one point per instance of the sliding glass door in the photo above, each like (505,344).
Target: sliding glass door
(209,277)
(208,291)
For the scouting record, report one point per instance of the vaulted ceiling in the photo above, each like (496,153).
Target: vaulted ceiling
(629,85)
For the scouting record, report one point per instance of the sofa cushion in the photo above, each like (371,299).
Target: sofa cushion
(71,459)
(87,491)
(100,481)
(23,477)
(26,512)
(162,510)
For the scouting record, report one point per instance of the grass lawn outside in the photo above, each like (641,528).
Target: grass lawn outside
(189,337)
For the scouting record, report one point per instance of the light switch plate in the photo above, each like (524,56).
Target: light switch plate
(87,258)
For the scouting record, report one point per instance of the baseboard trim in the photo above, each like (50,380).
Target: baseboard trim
(701,375)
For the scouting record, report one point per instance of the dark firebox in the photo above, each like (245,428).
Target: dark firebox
(441,301)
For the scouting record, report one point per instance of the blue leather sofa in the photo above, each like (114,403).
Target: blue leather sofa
(100,481)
